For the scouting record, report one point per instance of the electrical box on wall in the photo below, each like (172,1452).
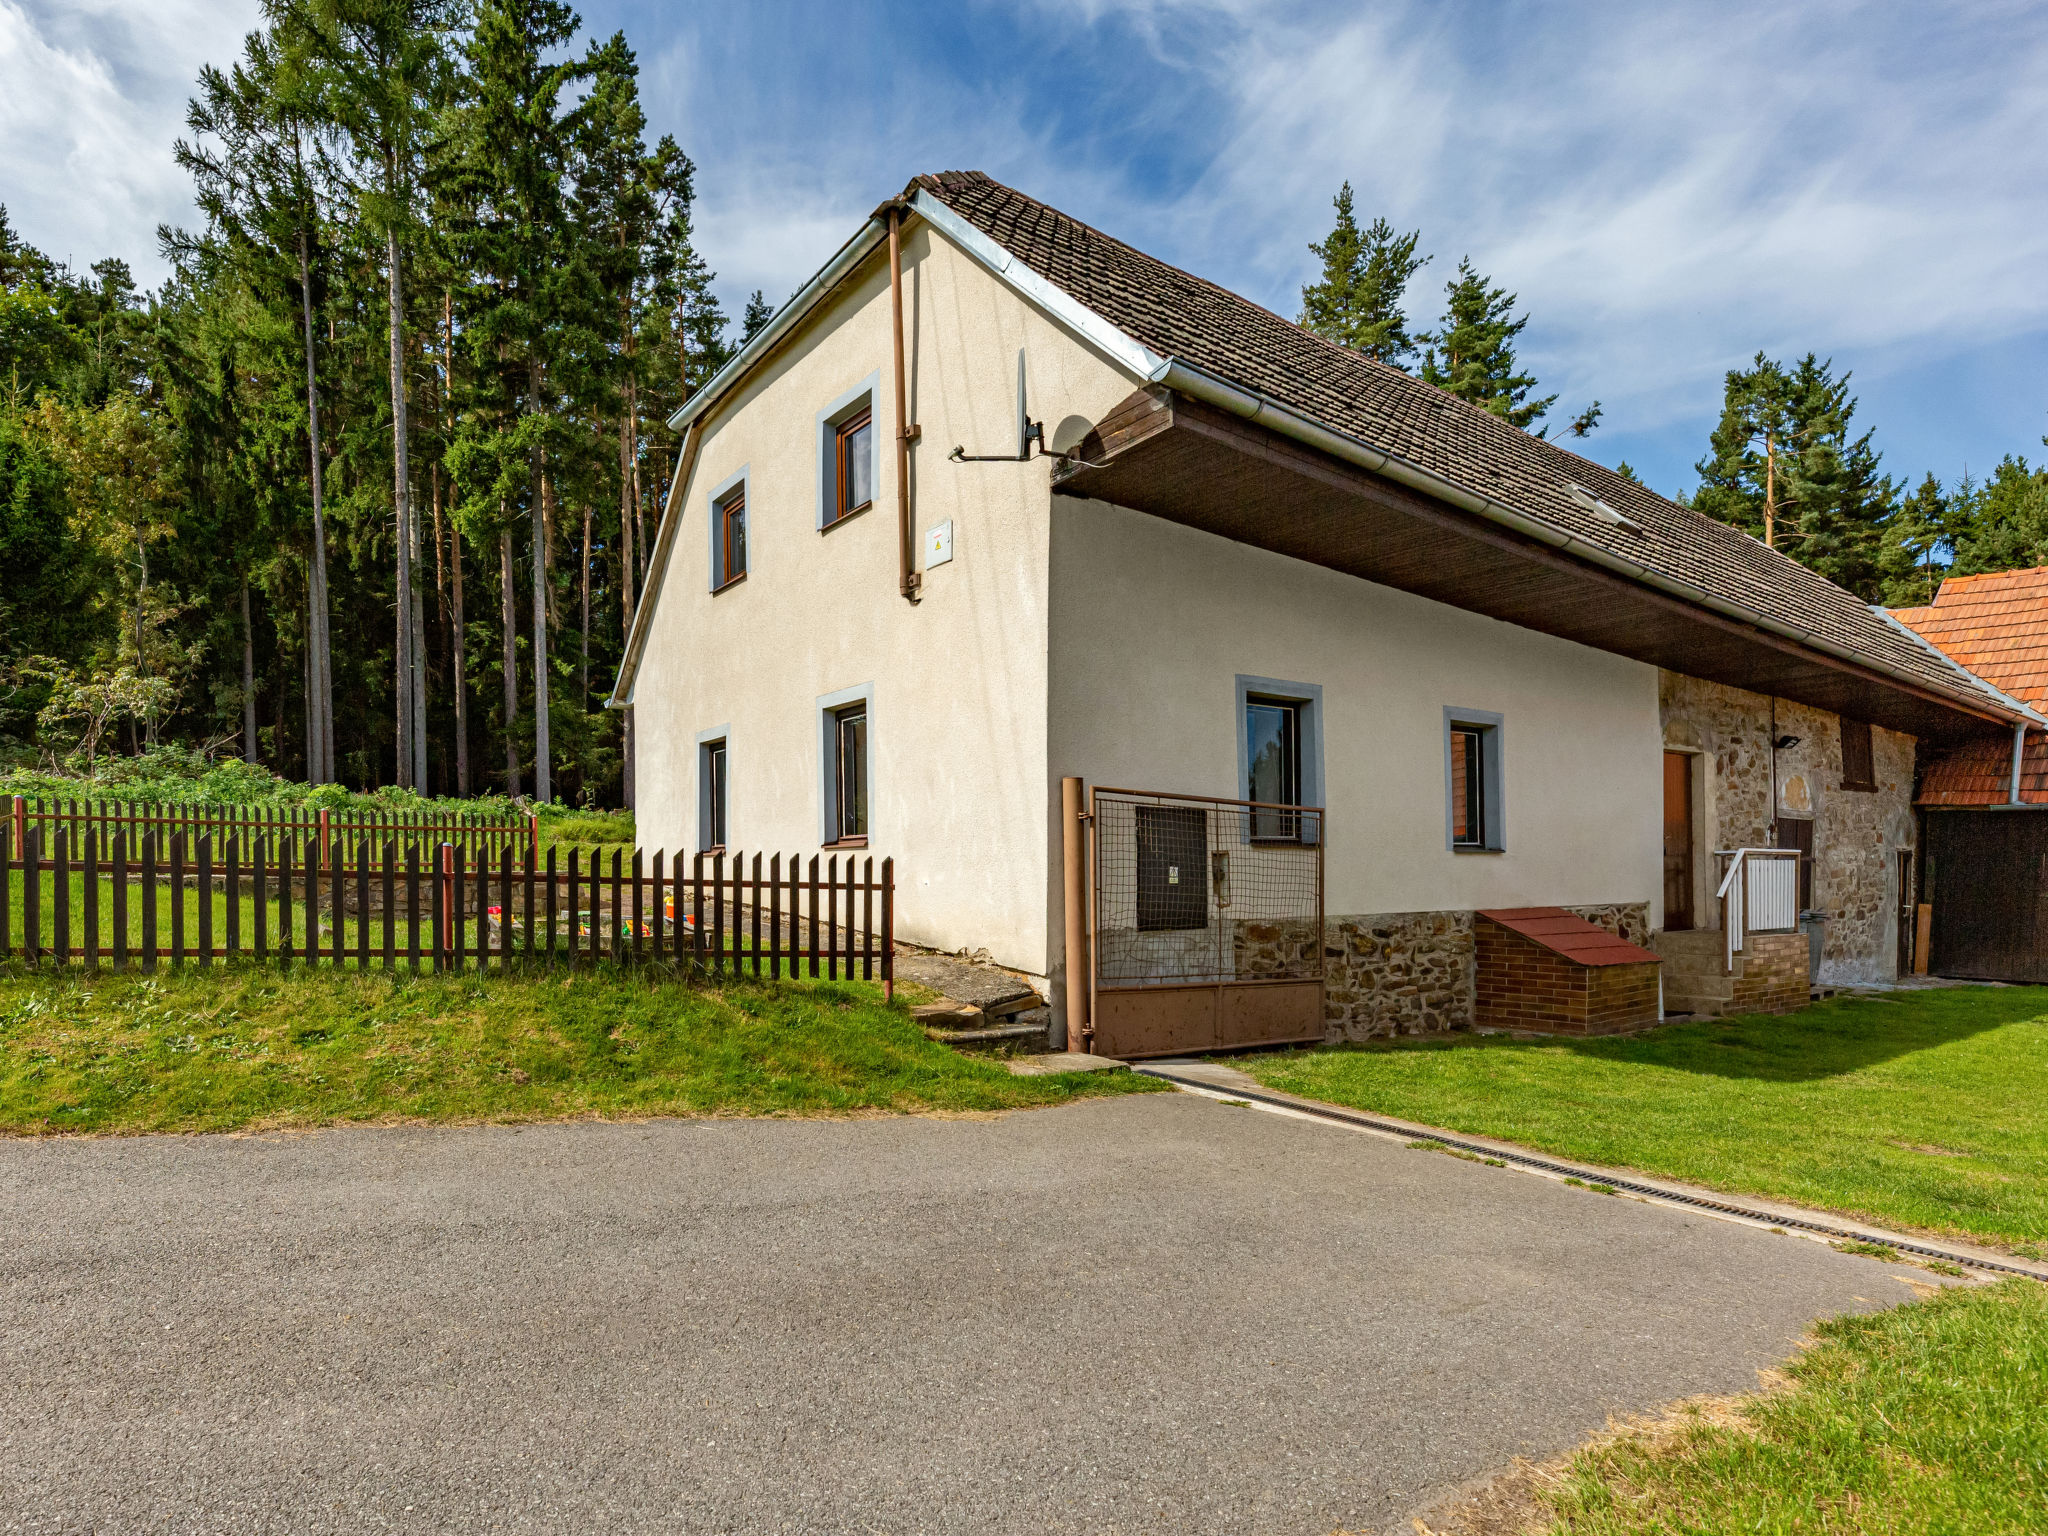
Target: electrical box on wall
(938,544)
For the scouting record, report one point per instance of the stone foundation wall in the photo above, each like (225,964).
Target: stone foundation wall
(1415,973)
(1857,834)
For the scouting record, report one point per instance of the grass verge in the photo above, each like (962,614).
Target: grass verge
(250,1047)
(1922,1110)
(1920,1420)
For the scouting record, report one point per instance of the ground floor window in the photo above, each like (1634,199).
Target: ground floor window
(711,768)
(1474,812)
(850,772)
(1272,733)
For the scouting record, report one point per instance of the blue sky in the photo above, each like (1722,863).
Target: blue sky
(1668,189)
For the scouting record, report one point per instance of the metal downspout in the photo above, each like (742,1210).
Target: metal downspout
(2019,747)
(906,432)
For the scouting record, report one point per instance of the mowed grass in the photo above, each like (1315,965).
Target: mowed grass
(1926,1420)
(254,1047)
(1924,1109)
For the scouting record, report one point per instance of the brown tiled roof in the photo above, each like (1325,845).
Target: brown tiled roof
(1182,316)
(1996,625)
(1570,935)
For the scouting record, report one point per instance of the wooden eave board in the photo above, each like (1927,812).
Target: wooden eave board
(1182,460)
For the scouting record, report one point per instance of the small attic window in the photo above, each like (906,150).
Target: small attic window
(1587,502)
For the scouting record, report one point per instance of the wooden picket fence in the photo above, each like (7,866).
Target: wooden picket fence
(287,900)
(482,833)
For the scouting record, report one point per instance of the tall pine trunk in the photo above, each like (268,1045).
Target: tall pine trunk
(461,683)
(509,615)
(401,495)
(583,674)
(537,506)
(419,661)
(320,703)
(248,679)
(458,639)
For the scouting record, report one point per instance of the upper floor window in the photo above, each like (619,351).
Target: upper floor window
(853,461)
(730,527)
(1859,771)
(848,454)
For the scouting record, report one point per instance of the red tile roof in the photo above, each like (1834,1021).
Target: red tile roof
(1996,625)
(1569,935)
(1980,773)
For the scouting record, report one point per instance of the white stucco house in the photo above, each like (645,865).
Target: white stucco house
(1190,547)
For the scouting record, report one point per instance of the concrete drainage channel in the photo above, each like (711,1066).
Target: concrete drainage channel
(1228,1084)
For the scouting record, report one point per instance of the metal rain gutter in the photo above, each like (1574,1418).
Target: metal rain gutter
(801,303)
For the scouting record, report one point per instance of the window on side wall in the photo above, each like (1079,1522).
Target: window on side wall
(1473,811)
(853,464)
(712,794)
(729,537)
(848,454)
(1859,770)
(850,774)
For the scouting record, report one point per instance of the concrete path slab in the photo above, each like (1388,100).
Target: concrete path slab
(1145,1314)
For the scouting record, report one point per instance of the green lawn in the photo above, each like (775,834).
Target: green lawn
(249,1047)
(1927,1420)
(1925,1110)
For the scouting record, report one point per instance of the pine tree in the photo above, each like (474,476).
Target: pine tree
(1357,303)
(377,74)
(1917,545)
(1472,352)
(756,316)
(2002,524)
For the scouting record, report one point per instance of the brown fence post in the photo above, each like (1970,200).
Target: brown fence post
(444,879)
(20,823)
(889,929)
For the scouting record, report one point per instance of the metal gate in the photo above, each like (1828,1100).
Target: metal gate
(1986,875)
(1206,923)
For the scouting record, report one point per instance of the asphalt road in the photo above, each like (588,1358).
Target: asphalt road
(1150,1314)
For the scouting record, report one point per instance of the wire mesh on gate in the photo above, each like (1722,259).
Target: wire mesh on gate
(1190,889)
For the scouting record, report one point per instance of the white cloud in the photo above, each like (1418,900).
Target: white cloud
(1666,191)
(91,97)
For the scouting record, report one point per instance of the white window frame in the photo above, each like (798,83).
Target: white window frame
(717,736)
(1493,798)
(828,706)
(868,393)
(740,480)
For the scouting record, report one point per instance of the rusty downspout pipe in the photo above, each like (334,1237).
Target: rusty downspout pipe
(907,431)
(1074,850)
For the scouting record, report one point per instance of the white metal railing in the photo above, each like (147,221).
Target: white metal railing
(1759,894)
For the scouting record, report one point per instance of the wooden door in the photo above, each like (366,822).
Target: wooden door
(1678,841)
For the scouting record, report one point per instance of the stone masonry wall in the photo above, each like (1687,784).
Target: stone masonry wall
(1413,973)
(1857,834)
